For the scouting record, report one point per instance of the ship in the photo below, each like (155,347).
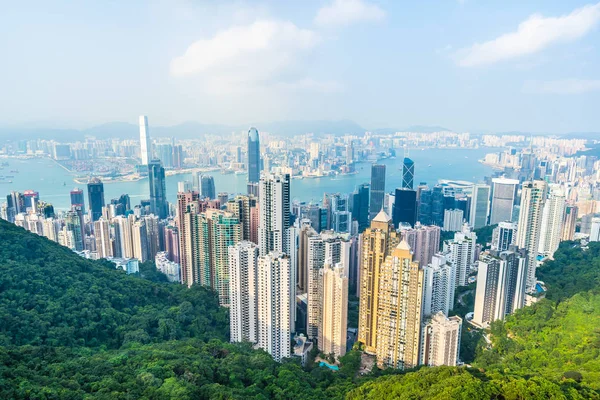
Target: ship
(6,182)
(15,171)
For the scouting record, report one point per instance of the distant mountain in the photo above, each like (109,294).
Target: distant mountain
(186,130)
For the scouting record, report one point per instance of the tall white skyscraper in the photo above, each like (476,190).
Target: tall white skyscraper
(273,305)
(533,198)
(552,222)
(145,143)
(503,199)
(334,321)
(480,205)
(102,235)
(274,204)
(439,284)
(460,251)
(243,260)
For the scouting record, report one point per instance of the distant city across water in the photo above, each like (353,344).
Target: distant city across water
(54,183)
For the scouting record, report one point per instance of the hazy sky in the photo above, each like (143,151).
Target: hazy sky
(465,65)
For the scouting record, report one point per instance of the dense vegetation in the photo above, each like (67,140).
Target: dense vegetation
(50,296)
(572,271)
(74,328)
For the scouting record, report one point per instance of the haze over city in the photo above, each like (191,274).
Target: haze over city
(465,65)
(333,199)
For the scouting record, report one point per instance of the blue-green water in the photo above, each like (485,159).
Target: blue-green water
(54,183)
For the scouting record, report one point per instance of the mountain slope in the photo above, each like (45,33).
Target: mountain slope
(51,296)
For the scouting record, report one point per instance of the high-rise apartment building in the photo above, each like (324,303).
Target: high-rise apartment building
(441,340)
(145,143)
(439,284)
(241,206)
(453,220)
(460,251)
(553,217)
(533,198)
(423,240)
(95,189)
(274,220)
(139,238)
(103,240)
(569,222)
(500,285)
(334,301)
(504,235)
(243,269)
(399,310)
(158,189)
(377,189)
(480,205)
(504,193)
(253,156)
(378,241)
(327,247)
(274,314)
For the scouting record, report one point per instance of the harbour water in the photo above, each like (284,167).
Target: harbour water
(54,183)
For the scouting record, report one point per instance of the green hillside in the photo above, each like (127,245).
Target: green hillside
(79,329)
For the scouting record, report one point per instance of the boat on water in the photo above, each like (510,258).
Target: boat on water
(429,165)
(16,171)
(6,182)
(240,172)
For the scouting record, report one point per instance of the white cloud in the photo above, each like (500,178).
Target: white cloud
(564,86)
(345,12)
(248,52)
(533,35)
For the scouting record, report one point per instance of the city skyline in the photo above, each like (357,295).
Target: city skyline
(527,60)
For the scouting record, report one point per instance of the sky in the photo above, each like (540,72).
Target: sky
(469,65)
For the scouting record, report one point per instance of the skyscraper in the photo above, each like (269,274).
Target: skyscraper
(103,241)
(207,187)
(453,220)
(95,189)
(360,206)
(274,312)
(405,207)
(504,192)
(145,143)
(164,152)
(533,198)
(569,222)
(378,241)
(441,340)
(78,199)
(423,240)
(185,206)
(460,251)
(327,247)
(500,285)
(408,173)
(399,310)
(552,222)
(274,221)
(74,224)
(243,259)
(504,235)
(377,189)
(439,285)
(253,156)
(480,204)
(334,301)
(158,189)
